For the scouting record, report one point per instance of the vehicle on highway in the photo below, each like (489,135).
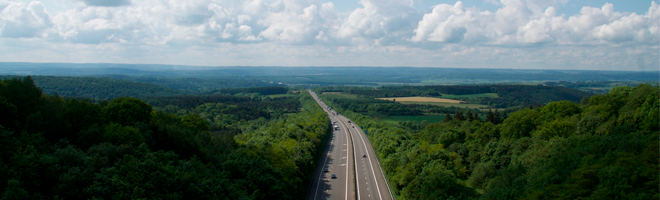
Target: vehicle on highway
(336,127)
(326,169)
(333,176)
(364,155)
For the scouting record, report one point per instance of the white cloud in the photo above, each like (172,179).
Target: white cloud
(23,21)
(391,30)
(108,3)
(378,20)
(297,28)
(520,23)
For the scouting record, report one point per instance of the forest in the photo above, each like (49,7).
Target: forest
(604,147)
(508,95)
(124,148)
(100,138)
(192,85)
(97,88)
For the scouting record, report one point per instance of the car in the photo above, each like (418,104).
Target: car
(333,176)
(353,126)
(326,169)
(364,155)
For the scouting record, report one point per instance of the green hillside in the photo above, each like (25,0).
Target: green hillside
(98,88)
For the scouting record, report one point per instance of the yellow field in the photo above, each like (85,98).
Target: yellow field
(422,99)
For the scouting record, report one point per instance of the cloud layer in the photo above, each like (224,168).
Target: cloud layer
(310,30)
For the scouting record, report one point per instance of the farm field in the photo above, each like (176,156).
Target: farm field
(493,95)
(462,105)
(422,99)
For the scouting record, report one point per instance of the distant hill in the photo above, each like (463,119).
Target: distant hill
(194,84)
(248,76)
(98,88)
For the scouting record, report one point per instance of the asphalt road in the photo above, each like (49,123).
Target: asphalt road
(368,175)
(338,158)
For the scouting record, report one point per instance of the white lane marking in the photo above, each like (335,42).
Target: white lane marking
(321,175)
(347,132)
(372,168)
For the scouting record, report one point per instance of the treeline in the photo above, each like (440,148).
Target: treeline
(381,107)
(508,95)
(56,148)
(97,88)
(597,87)
(194,85)
(260,90)
(529,95)
(376,107)
(234,117)
(603,148)
(192,101)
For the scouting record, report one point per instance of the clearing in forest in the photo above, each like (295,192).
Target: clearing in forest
(422,99)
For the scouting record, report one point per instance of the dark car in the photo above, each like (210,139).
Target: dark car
(333,176)
(364,155)
(326,169)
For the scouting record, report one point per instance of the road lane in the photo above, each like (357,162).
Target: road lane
(372,162)
(338,157)
(369,177)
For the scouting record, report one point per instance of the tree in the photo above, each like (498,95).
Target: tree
(447,118)
(490,117)
(23,94)
(118,134)
(128,111)
(470,116)
(496,117)
(459,115)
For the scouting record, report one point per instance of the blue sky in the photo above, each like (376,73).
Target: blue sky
(523,34)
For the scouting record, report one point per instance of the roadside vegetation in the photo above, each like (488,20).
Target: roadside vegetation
(186,148)
(604,147)
(234,134)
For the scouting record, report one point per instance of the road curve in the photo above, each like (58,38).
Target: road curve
(368,175)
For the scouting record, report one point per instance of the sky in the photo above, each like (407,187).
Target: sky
(515,34)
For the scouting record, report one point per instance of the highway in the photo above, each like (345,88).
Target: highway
(365,178)
(338,158)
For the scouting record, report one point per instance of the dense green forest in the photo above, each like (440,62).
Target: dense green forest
(101,88)
(508,95)
(57,148)
(596,87)
(97,88)
(227,113)
(194,85)
(605,147)
(259,90)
